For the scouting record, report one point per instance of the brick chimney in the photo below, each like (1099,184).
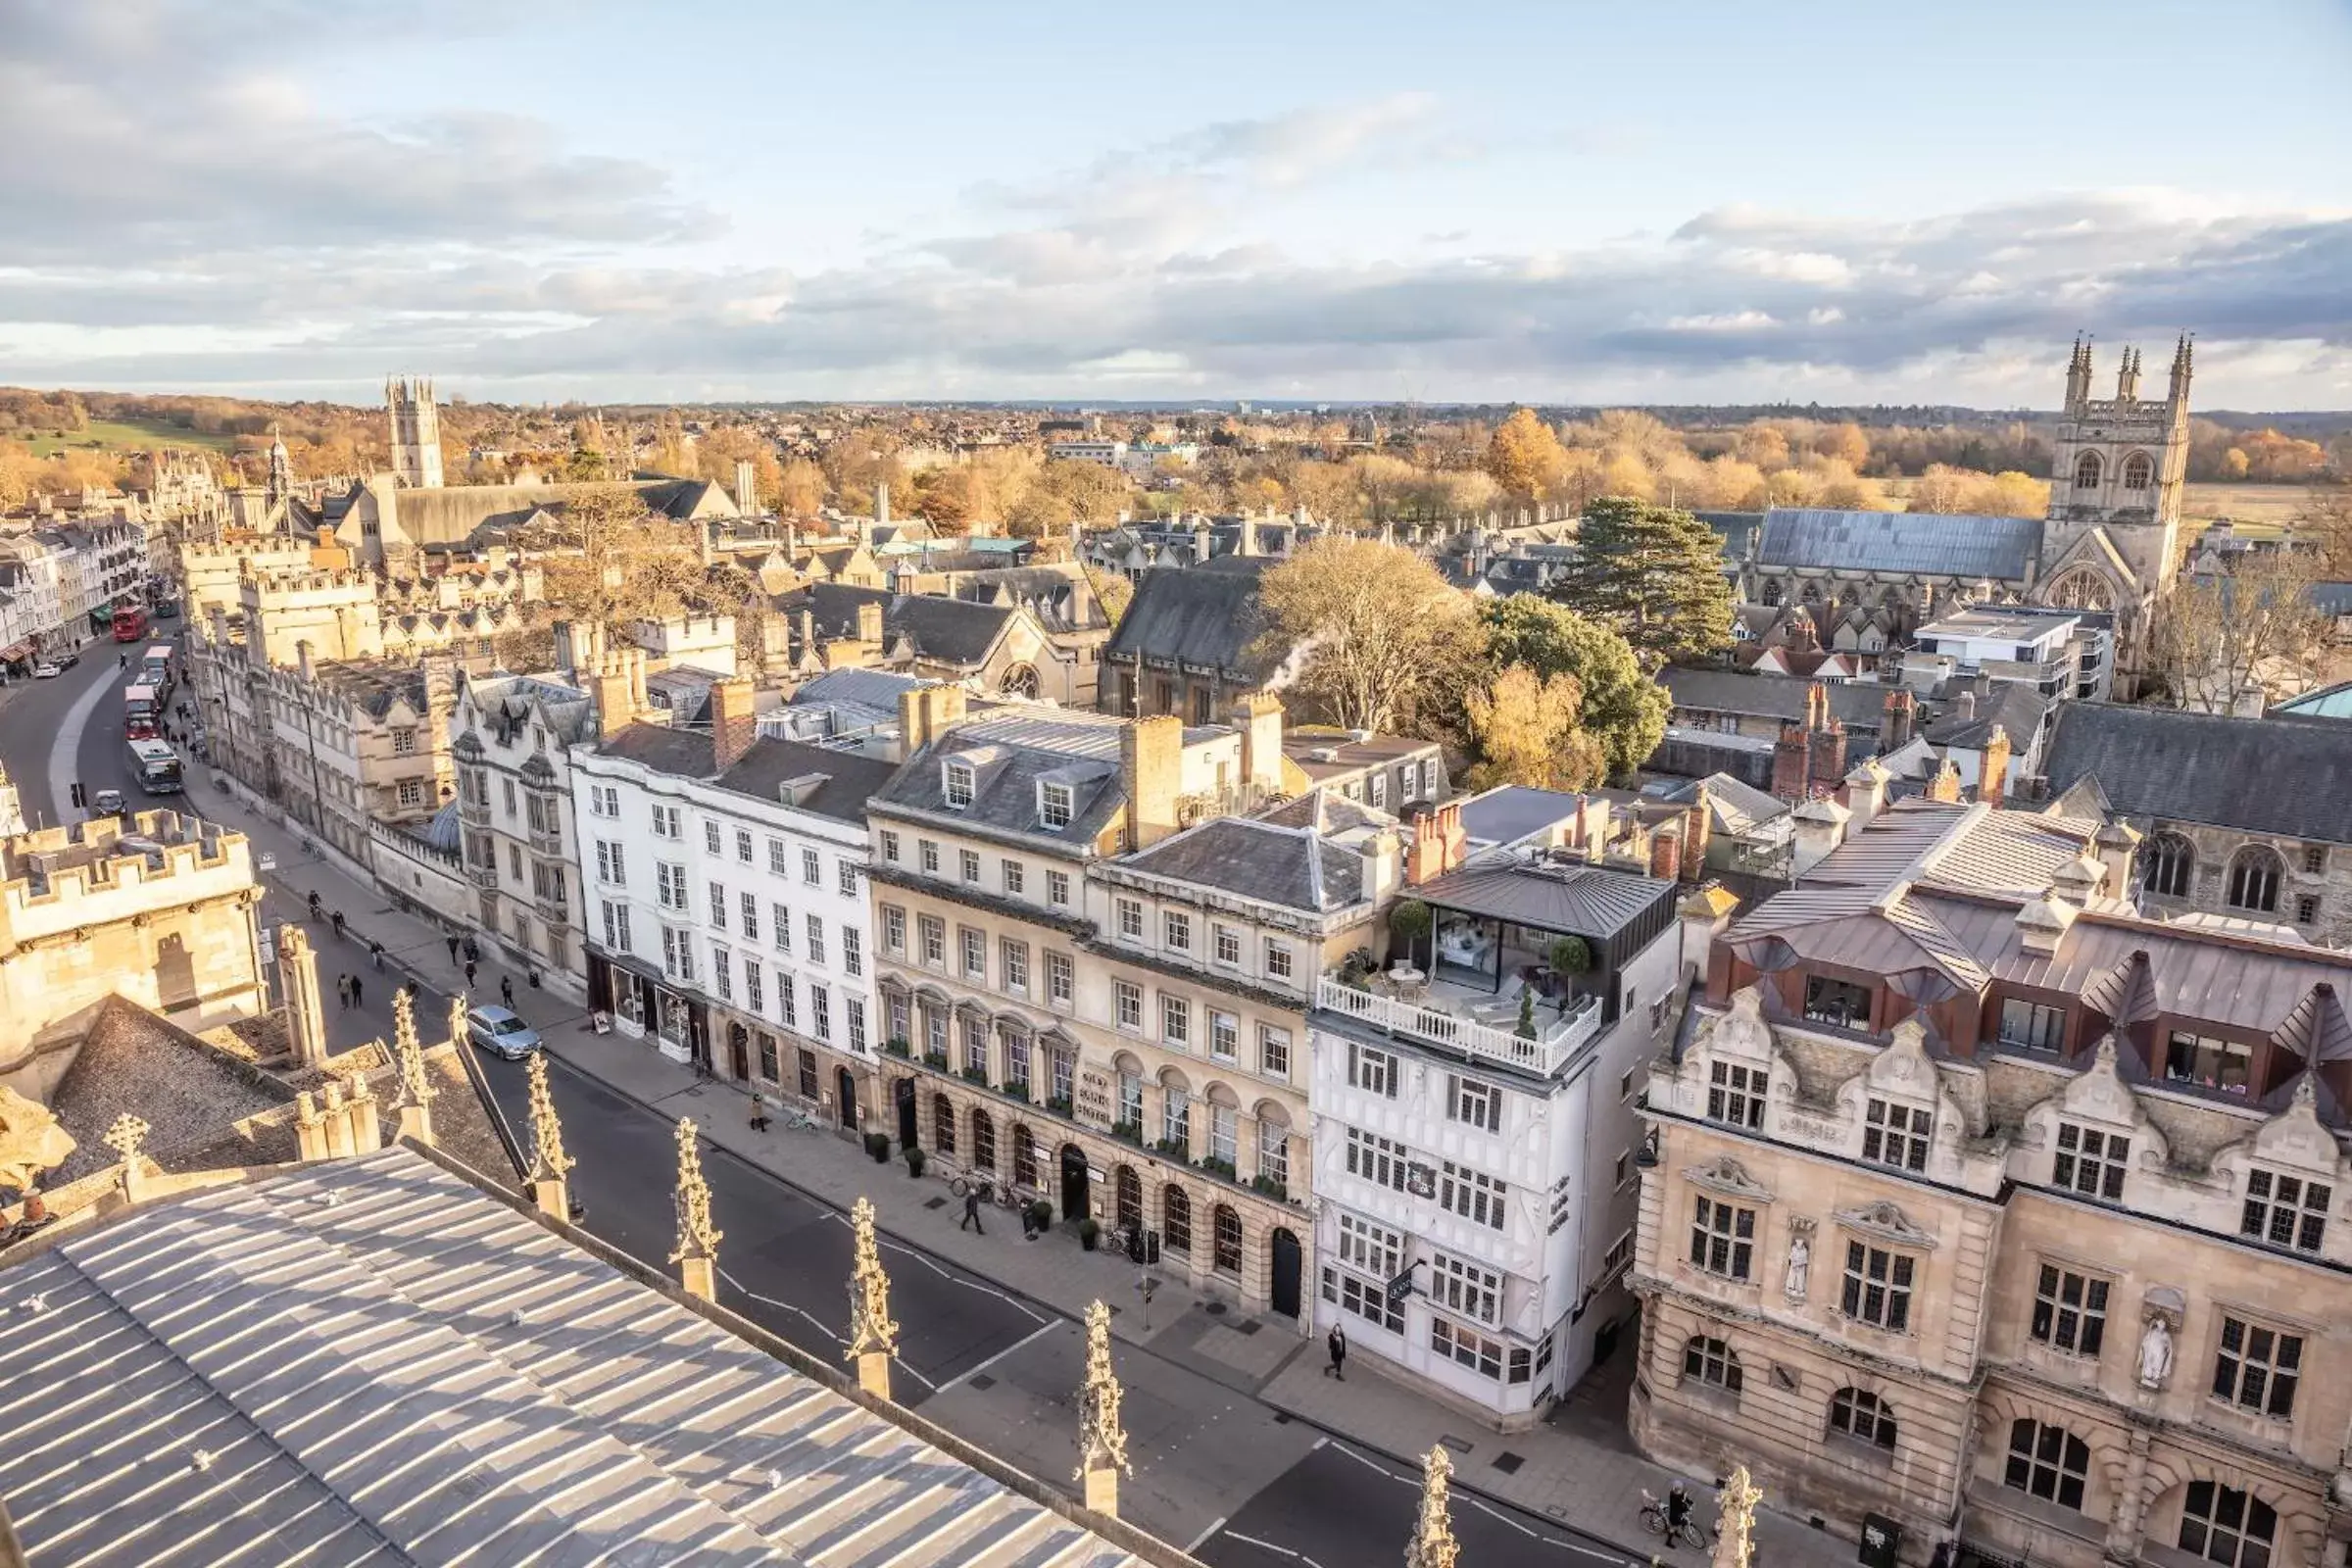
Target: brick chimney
(1993,782)
(1945,785)
(1438,845)
(1902,711)
(732,726)
(608,685)
(927,713)
(1699,827)
(1258,717)
(1151,773)
(869,623)
(1827,746)
(1788,763)
(1666,852)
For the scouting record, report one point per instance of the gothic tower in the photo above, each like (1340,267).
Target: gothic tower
(2120,464)
(281,470)
(416,432)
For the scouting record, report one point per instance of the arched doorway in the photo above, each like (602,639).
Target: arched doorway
(739,1052)
(1074,1197)
(902,1090)
(1288,1263)
(844,1095)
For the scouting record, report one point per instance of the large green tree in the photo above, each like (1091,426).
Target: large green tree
(1654,574)
(1623,708)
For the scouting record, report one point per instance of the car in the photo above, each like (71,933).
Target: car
(107,802)
(500,1032)
(45,670)
(265,861)
(68,659)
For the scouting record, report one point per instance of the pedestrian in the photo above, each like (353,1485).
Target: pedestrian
(376,952)
(759,1113)
(971,1209)
(473,954)
(1338,1345)
(343,990)
(470,974)
(123,660)
(355,989)
(452,949)
(339,923)
(505,988)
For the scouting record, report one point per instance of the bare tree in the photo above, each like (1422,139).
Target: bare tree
(2228,641)
(610,561)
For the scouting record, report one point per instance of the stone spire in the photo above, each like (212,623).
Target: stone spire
(1102,1436)
(415,1101)
(697,1252)
(1734,1540)
(874,1336)
(2183,353)
(2077,373)
(298,984)
(1433,1545)
(125,1138)
(549,1161)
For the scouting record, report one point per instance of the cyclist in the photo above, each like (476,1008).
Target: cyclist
(1677,1509)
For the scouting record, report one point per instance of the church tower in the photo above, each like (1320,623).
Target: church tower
(2121,462)
(416,432)
(281,470)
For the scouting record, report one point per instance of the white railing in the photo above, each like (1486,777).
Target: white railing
(1558,1036)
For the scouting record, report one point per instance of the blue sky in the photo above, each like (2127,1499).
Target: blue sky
(1566,202)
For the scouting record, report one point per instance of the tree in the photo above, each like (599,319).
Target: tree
(1526,457)
(1381,632)
(1655,574)
(609,561)
(1624,710)
(1528,731)
(1112,592)
(800,488)
(2230,643)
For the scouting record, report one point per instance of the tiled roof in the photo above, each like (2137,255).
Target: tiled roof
(1010,756)
(685,753)
(1291,867)
(2283,775)
(849,779)
(1927,544)
(1201,617)
(1858,704)
(1590,901)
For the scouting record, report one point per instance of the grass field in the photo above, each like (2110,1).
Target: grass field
(2244,503)
(108,435)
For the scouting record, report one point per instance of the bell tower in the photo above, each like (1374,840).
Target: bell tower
(416,432)
(2121,461)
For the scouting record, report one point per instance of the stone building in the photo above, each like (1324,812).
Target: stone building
(2245,818)
(510,751)
(1095,979)
(1188,644)
(996,644)
(1979,1211)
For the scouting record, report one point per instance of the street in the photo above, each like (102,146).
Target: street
(1241,1484)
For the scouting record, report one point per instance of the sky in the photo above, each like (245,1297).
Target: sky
(1561,202)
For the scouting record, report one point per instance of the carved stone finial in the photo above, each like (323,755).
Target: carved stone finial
(1433,1545)
(457,1018)
(30,1141)
(871,1330)
(1102,1436)
(549,1161)
(698,1238)
(126,1136)
(407,1053)
(1734,1544)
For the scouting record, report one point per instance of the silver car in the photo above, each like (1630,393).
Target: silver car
(500,1032)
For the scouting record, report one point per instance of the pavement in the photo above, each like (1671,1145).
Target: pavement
(1245,1453)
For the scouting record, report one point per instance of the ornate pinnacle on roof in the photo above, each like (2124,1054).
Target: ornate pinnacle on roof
(407,1053)
(1734,1544)
(871,1331)
(126,1136)
(698,1238)
(549,1161)
(1433,1545)
(1102,1438)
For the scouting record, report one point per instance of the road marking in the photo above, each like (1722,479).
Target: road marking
(62,757)
(818,1324)
(1204,1534)
(954,1277)
(1268,1546)
(1037,1332)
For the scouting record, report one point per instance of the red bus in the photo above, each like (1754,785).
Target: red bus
(142,712)
(130,621)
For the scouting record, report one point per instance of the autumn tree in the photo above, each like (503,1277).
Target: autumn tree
(800,488)
(609,561)
(1528,730)
(1526,457)
(1622,710)
(2230,641)
(1380,633)
(1652,574)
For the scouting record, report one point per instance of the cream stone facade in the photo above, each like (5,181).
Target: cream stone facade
(1095,981)
(1983,1205)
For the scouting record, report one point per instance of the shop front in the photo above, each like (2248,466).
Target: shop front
(644,1007)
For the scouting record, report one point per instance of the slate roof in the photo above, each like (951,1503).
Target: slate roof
(849,779)
(685,753)
(1510,813)
(2017,708)
(1294,867)
(1202,617)
(372,1362)
(2289,776)
(951,631)
(1589,901)
(1924,543)
(1011,754)
(1858,704)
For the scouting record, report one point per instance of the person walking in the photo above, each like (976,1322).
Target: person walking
(375,953)
(505,988)
(971,1209)
(355,989)
(474,952)
(452,949)
(336,919)
(1338,1345)
(343,991)
(470,974)
(759,1113)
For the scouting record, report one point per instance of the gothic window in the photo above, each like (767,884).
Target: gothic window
(1812,593)
(1020,680)
(2137,469)
(1711,1361)
(1862,1415)
(2086,471)
(2224,1525)
(1772,591)
(2254,880)
(2082,589)
(2169,865)
(2048,1462)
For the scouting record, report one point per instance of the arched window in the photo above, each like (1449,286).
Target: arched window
(984,1142)
(2169,865)
(1019,680)
(2222,1524)
(2086,471)
(1772,592)
(1812,593)
(1024,1155)
(1862,1417)
(1175,1220)
(1228,1227)
(2137,469)
(1711,1361)
(1128,1205)
(2254,879)
(2048,1462)
(943,1124)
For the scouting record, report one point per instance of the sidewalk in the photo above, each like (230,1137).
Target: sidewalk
(1578,1468)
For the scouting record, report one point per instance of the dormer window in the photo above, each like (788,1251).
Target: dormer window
(956,781)
(1055,805)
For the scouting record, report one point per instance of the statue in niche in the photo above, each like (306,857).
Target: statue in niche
(1800,1268)
(2155,1353)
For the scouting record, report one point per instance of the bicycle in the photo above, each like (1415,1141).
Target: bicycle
(800,1121)
(1655,1521)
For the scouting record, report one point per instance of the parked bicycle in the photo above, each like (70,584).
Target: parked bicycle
(801,1121)
(1659,1520)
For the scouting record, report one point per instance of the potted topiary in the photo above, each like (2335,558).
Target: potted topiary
(1569,955)
(1409,922)
(1527,1015)
(917,1160)
(877,1145)
(1090,1231)
(1041,1217)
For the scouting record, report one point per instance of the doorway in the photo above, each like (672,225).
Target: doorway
(845,1094)
(739,1053)
(1288,1264)
(1074,1197)
(904,1090)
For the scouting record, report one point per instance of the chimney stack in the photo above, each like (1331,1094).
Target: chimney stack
(1965,705)
(1993,782)
(732,726)
(747,489)
(1151,773)
(869,623)
(1437,844)
(1945,785)
(1701,826)
(1258,717)
(1790,758)
(1901,710)
(927,713)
